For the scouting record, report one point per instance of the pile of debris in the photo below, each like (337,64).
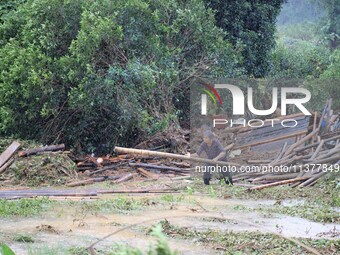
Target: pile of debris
(126,167)
(304,162)
(37,166)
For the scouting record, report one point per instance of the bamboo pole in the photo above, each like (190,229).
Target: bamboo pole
(303,140)
(278,183)
(271,140)
(171,155)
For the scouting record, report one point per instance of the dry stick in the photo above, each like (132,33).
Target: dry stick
(278,183)
(303,140)
(26,153)
(172,155)
(91,247)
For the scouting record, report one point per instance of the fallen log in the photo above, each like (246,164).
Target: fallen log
(29,152)
(172,155)
(278,183)
(8,153)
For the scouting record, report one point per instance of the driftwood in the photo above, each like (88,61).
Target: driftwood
(9,152)
(29,152)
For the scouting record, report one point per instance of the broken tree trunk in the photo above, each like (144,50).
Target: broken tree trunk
(28,152)
(8,153)
(171,155)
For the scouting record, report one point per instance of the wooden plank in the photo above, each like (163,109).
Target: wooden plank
(6,165)
(8,153)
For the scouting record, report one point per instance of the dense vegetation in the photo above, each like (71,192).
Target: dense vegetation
(100,73)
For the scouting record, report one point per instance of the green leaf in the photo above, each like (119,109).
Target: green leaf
(5,250)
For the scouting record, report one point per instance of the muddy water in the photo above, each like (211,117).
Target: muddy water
(202,213)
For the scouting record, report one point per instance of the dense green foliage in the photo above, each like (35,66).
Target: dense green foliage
(250,25)
(306,51)
(104,72)
(100,73)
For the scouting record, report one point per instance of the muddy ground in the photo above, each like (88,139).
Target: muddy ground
(198,219)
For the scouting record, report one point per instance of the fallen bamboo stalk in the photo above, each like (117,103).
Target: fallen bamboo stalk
(271,140)
(315,144)
(278,183)
(29,152)
(172,155)
(303,140)
(165,168)
(312,179)
(317,149)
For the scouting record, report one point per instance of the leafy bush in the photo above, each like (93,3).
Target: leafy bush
(94,73)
